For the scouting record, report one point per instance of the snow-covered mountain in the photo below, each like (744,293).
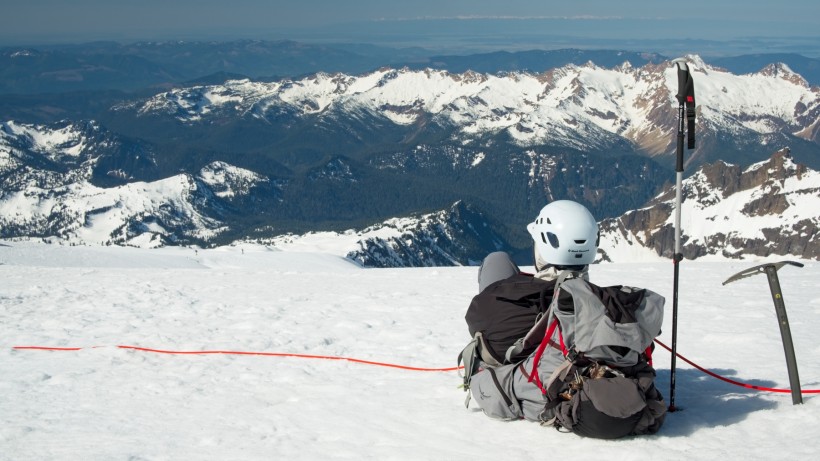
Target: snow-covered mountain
(211,164)
(80,183)
(582,107)
(768,209)
(456,236)
(46,174)
(58,201)
(174,210)
(446,238)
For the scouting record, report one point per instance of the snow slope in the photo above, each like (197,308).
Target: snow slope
(103,402)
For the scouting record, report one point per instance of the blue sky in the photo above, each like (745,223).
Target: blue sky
(52,21)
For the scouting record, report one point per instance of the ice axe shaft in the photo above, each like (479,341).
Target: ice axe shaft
(782,319)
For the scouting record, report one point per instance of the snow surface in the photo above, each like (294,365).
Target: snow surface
(104,402)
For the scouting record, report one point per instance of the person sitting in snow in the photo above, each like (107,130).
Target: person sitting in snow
(565,237)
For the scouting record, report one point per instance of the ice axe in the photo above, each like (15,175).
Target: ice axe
(782,320)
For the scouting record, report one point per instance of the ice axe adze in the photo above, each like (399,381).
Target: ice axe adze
(782,320)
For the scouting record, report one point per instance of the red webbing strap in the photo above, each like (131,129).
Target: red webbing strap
(540,352)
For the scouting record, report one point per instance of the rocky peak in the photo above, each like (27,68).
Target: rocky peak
(770,208)
(730,179)
(459,235)
(783,71)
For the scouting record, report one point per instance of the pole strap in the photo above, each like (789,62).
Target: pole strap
(686,98)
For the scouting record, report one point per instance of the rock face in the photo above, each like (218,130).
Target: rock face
(771,208)
(458,236)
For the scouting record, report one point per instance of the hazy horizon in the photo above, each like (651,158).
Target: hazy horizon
(704,27)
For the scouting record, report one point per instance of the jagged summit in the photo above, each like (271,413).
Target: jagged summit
(584,106)
(767,209)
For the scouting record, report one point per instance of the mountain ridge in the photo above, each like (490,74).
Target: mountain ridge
(577,107)
(132,66)
(763,210)
(245,159)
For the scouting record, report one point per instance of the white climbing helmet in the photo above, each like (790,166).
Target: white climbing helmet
(565,234)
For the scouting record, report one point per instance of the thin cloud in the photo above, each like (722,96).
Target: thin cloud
(513,18)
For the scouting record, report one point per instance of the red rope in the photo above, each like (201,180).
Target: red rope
(391,365)
(267,354)
(43,348)
(731,381)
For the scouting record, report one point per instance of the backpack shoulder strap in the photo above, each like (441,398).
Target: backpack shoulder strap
(469,355)
(565,274)
(472,355)
(568,274)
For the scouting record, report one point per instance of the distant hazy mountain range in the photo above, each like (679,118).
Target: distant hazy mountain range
(116,66)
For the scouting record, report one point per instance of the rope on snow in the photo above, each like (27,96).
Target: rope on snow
(266,354)
(731,381)
(383,364)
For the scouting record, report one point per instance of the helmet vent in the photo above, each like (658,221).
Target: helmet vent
(548,221)
(553,239)
(580,242)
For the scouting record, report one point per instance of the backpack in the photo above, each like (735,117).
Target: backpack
(499,319)
(593,345)
(605,388)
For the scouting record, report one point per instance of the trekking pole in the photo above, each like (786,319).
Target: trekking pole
(782,319)
(686,108)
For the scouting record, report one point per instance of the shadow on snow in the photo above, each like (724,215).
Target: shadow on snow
(703,401)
